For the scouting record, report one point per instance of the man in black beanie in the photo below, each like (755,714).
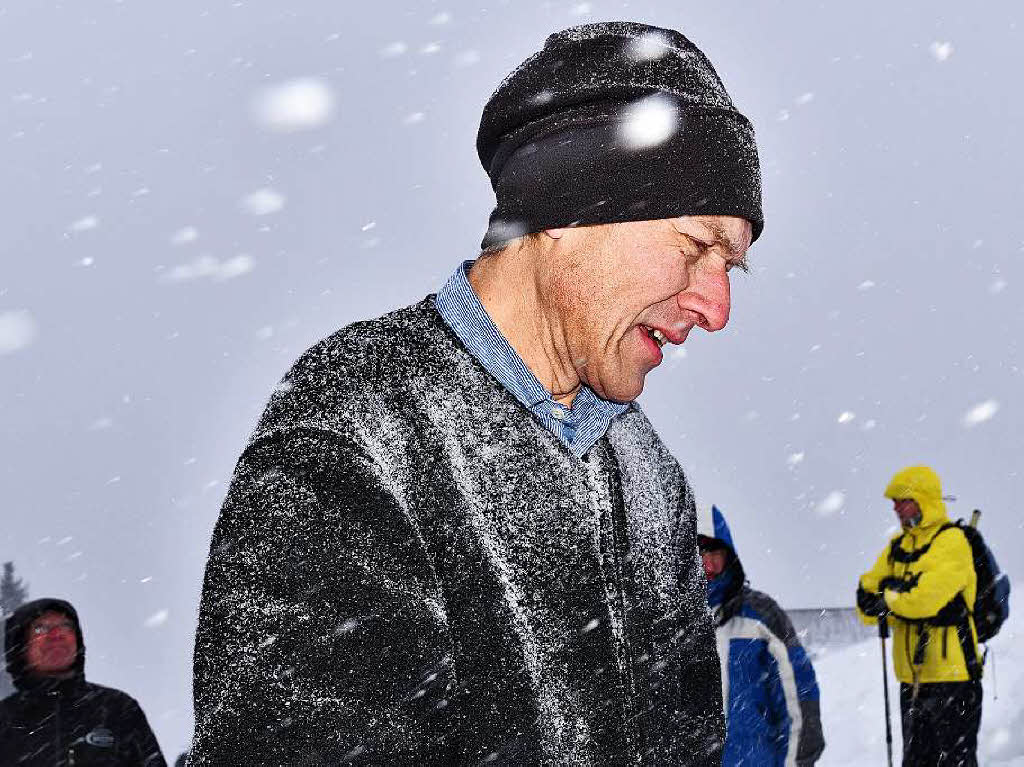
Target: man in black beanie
(454,538)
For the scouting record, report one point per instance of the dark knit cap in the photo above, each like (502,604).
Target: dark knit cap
(616,121)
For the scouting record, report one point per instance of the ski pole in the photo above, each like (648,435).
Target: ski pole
(883,632)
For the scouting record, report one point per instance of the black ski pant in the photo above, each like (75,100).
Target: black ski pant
(940,728)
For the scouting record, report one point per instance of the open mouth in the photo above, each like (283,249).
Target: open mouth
(657,336)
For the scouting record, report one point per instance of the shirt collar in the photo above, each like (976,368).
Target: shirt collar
(462,310)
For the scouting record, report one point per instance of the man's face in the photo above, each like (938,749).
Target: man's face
(624,290)
(907,510)
(714,563)
(52,644)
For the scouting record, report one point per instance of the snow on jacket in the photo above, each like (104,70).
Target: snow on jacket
(410,569)
(927,574)
(62,722)
(768,683)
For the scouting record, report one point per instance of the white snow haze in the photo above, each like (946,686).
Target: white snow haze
(195,192)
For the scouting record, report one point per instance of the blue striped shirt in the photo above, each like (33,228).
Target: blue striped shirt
(578,427)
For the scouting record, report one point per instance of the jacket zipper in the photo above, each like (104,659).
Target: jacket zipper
(56,728)
(615,582)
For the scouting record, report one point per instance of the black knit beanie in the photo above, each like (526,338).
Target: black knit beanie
(616,121)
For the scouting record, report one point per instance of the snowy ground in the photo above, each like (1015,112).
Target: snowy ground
(853,709)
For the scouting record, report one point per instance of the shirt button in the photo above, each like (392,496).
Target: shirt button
(558,413)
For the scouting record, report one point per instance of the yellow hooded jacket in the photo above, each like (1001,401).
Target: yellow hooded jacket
(932,569)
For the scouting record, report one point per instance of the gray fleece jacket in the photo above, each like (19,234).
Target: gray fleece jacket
(409,569)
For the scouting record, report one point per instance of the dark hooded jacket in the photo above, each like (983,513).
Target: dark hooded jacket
(52,722)
(409,569)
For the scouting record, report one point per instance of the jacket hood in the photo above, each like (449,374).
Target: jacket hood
(711,524)
(16,638)
(922,484)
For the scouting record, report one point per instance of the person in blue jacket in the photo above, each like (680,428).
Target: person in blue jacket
(768,685)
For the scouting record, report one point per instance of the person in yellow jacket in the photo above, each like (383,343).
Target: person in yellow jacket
(924,583)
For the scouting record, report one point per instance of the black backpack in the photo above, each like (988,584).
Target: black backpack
(992,601)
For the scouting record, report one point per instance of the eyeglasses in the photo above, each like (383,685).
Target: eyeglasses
(42,629)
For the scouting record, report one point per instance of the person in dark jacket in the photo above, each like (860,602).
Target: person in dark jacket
(56,718)
(772,708)
(454,539)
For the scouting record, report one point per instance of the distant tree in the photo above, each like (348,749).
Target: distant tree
(13,593)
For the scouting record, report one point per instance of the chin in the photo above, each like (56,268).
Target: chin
(624,392)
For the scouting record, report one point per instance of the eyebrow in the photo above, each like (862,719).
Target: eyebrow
(723,237)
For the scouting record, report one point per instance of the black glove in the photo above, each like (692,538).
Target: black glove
(870,604)
(901,585)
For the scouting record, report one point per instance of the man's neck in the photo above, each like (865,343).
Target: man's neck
(507,288)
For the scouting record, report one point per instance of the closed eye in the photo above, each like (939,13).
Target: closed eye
(703,248)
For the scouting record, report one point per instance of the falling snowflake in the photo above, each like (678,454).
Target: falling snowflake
(159,618)
(84,224)
(263,202)
(467,58)
(210,268)
(649,47)
(650,121)
(347,626)
(941,50)
(299,104)
(394,49)
(866,285)
(795,459)
(17,330)
(185,235)
(846,416)
(831,503)
(983,411)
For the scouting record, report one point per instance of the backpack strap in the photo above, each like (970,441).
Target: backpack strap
(897,554)
(955,614)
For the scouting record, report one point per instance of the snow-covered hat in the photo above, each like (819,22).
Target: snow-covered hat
(616,121)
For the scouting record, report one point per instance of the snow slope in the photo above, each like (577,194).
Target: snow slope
(852,705)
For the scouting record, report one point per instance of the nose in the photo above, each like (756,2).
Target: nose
(708,297)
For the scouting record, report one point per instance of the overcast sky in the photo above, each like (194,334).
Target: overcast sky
(194,192)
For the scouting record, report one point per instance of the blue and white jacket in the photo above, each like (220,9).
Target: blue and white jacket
(768,685)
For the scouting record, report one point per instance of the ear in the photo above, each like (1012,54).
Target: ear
(554,234)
